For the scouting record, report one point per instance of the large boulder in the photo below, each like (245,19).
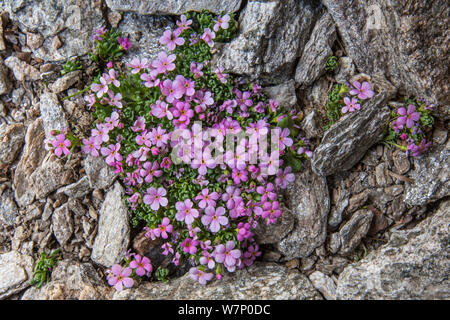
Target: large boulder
(431,177)
(407,41)
(262,281)
(413,265)
(171,7)
(309,201)
(347,141)
(113,235)
(72,21)
(272,36)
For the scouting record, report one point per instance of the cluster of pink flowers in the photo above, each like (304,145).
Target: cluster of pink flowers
(361,91)
(136,265)
(205,206)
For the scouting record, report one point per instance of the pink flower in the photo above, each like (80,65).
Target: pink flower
(284,140)
(111,153)
(124,43)
(363,91)
(149,171)
(139,124)
(166,163)
(163,228)
(243,99)
(137,65)
(267,193)
(208,36)
(251,254)
(164,63)
(158,137)
(221,75)
(115,100)
(239,176)
(185,211)
(214,218)
(284,177)
(222,22)
(91,146)
(119,278)
(150,79)
(142,265)
(232,196)
(184,85)
(101,133)
(170,91)
(167,248)
(112,121)
(144,138)
(161,110)
(101,88)
(61,144)
(417,150)
(350,105)
(207,199)
(196,69)
(207,259)
(200,276)
(189,245)
(156,198)
(171,39)
(99,33)
(183,24)
(227,255)
(409,117)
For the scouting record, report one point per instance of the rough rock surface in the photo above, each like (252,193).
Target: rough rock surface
(71,280)
(52,113)
(407,41)
(354,230)
(324,284)
(272,36)
(346,142)
(284,93)
(78,189)
(262,281)
(316,52)
(144,44)
(16,272)
(100,175)
(113,235)
(62,222)
(32,156)
(11,142)
(169,7)
(276,232)
(22,70)
(8,208)
(309,202)
(71,21)
(431,177)
(413,265)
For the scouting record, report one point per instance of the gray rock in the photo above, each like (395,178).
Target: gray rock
(401,162)
(261,281)
(144,44)
(284,94)
(5,82)
(17,271)
(310,125)
(413,265)
(100,175)
(71,280)
(34,40)
(407,42)
(346,70)
(22,70)
(272,36)
(72,21)
(324,284)
(274,233)
(8,209)
(431,177)
(170,7)
(50,176)
(11,142)
(32,157)
(62,222)
(113,235)
(318,49)
(52,113)
(354,230)
(65,82)
(78,189)
(346,142)
(309,201)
